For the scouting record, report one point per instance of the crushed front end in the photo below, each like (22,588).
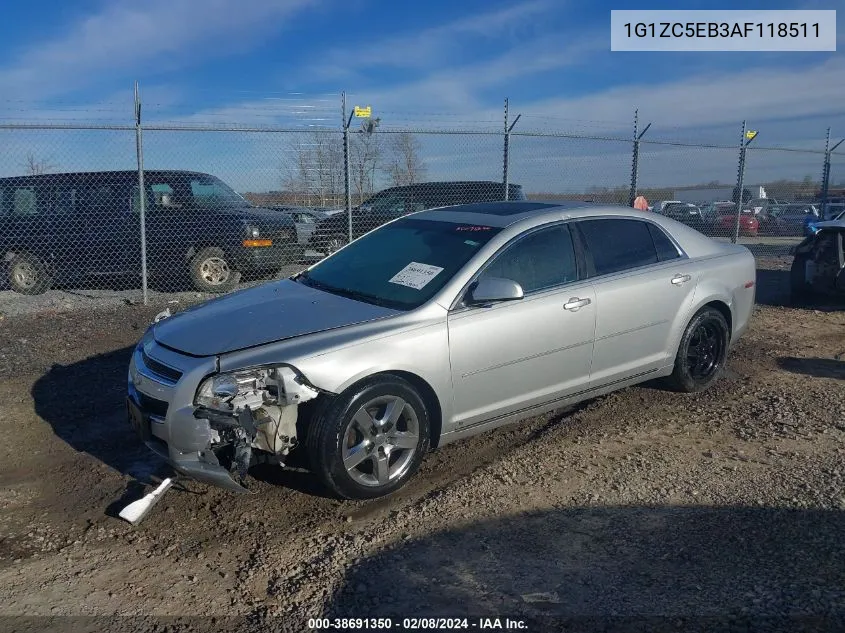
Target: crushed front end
(213,426)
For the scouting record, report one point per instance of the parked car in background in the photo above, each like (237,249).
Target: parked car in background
(332,233)
(686,213)
(818,265)
(432,328)
(660,205)
(305,219)
(61,228)
(813,225)
(760,206)
(720,219)
(790,219)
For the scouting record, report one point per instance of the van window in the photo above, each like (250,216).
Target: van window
(26,201)
(98,196)
(64,200)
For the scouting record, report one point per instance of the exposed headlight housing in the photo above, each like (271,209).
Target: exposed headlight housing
(218,392)
(254,387)
(253,232)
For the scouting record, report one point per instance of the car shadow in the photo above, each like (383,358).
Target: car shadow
(816,367)
(84,402)
(615,569)
(773,287)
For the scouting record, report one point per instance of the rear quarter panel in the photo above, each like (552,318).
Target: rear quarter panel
(729,278)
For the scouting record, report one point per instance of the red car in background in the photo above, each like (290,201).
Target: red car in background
(723,218)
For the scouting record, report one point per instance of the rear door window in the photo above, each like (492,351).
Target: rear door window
(666,249)
(616,245)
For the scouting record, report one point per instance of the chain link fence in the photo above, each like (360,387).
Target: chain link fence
(125,212)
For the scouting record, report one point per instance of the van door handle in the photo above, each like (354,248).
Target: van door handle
(680,279)
(575,304)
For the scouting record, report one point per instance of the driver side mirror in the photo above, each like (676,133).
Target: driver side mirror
(494,289)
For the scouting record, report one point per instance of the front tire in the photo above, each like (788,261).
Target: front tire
(335,242)
(211,271)
(702,353)
(371,439)
(28,275)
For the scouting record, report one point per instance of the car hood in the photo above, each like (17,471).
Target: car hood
(264,314)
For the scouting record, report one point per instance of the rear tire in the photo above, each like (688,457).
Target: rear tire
(702,353)
(28,275)
(370,440)
(211,271)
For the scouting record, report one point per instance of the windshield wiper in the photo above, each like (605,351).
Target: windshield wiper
(305,279)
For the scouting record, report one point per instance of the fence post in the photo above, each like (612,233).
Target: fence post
(739,184)
(635,161)
(828,150)
(506,154)
(346,186)
(142,199)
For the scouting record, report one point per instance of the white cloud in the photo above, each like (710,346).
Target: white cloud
(429,47)
(125,35)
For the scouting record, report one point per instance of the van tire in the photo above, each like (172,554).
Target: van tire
(28,275)
(211,271)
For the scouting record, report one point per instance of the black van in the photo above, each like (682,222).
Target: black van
(389,204)
(60,228)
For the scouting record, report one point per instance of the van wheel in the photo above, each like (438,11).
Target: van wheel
(335,242)
(702,352)
(28,275)
(211,271)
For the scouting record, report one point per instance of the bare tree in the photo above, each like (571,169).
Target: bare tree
(33,165)
(406,166)
(365,159)
(313,171)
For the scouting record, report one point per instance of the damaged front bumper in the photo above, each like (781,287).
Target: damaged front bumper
(209,445)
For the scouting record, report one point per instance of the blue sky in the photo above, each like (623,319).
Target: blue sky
(431,65)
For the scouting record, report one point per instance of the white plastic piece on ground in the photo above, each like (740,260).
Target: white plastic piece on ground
(137,510)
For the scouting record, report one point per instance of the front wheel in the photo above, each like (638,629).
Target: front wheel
(28,275)
(370,440)
(335,242)
(702,352)
(211,271)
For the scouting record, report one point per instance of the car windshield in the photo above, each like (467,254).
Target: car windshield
(400,265)
(208,191)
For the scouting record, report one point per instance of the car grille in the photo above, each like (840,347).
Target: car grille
(160,369)
(152,406)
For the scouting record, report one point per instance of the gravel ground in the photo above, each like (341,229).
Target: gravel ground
(644,508)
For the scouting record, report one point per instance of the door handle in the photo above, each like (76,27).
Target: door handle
(575,304)
(680,279)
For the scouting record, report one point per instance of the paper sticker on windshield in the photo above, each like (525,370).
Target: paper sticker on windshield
(415,275)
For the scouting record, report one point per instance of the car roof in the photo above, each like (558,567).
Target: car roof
(505,213)
(831,224)
(105,174)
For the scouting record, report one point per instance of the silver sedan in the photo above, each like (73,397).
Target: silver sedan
(437,326)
